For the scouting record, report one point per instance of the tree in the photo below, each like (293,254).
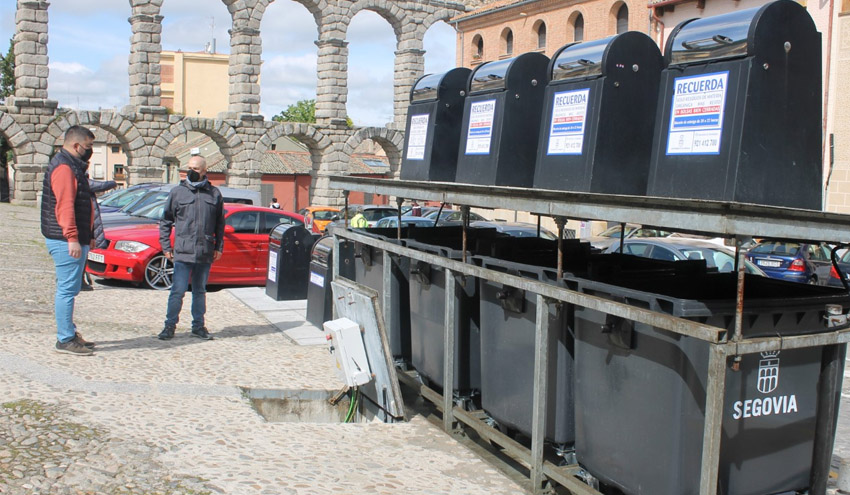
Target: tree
(302,111)
(7,88)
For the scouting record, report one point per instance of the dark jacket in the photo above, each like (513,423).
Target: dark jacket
(50,227)
(98,186)
(197,215)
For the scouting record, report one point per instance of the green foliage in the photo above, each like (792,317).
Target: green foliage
(301,111)
(7,72)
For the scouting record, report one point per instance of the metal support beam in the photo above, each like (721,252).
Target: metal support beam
(560,222)
(387,299)
(399,202)
(449,353)
(542,340)
(712,431)
(829,397)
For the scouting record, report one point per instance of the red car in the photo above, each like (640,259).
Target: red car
(134,253)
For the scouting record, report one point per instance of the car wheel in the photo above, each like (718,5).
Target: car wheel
(158,272)
(813,280)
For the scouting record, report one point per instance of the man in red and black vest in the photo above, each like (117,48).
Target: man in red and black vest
(66,223)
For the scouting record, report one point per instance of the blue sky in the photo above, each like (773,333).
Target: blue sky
(89,45)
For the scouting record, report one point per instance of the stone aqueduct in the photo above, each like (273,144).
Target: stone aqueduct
(32,123)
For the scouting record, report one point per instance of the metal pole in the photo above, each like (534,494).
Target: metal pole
(387,301)
(399,202)
(335,269)
(538,225)
(345,211)
(712,432)
(739,302)
(560,221)
(464,211)
(829,397)
(449,353)
(541,388)
(622,237)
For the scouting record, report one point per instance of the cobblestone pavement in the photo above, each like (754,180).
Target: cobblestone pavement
(144,416)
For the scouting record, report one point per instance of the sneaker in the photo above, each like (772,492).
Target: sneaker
(201,333)
(73,347)
(86,287)
(83,342)
(167,333)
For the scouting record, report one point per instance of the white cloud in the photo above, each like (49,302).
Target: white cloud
(439,48)
(77,86)
(71,69)
(285,80)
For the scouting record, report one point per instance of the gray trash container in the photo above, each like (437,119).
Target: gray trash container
(508,322)
(641,390)
(427,322)
(319,291)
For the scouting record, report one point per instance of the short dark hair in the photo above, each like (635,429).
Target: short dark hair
(78,133)
(274,200)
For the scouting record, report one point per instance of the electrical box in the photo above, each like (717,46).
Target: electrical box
(348,351)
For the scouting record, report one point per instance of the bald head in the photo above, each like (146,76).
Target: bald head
(198,163)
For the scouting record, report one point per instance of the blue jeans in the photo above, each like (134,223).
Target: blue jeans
(183,272)
(69,275)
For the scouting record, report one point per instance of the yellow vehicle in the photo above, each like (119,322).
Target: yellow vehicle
(317,218)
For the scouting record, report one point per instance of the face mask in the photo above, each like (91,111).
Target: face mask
(86,154)
(193,176)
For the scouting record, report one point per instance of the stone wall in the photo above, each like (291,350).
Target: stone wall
(34,124)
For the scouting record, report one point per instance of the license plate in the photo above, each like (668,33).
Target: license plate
(770,263)
(96,257)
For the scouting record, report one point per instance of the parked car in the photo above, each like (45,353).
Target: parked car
(116,200)
(317,218)
(515,229)
(679,249)
(134,253)
(611,235)
(453,216)
(844,265)
(129,214)
(406,221)
(373,213)
(805,263)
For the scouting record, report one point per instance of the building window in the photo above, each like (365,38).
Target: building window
(116,149)
(508,41)
(845,6)
(477,46)
(118,172)
(541,35)
(623,19)
(578,28)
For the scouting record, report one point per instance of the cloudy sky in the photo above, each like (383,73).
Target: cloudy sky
(89,45)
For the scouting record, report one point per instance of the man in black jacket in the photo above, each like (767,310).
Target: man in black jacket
(195,211)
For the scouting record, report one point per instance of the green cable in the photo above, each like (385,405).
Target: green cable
(352,405)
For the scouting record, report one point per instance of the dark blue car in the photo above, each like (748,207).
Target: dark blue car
(792,261)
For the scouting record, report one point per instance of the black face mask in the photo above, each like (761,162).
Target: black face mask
(86,154)
(193,176)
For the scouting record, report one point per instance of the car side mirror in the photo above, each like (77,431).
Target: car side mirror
(334,218)
(228,229)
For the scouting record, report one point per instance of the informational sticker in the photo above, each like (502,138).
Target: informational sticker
(696,119)
(480,131)
(272,265)
(416,137)
(569,114)
(317,279)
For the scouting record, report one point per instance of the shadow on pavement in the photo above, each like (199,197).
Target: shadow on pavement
(182,337)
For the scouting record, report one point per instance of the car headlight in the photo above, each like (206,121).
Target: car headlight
(131,246)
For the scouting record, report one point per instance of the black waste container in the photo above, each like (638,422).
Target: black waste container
(508,322)
(319,290)
(501,121)
(433,126)
(369,271)
(596,131)
(427,322)
(289,262)
(739,113)
(640,391)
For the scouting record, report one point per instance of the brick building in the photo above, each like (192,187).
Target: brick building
(507,28)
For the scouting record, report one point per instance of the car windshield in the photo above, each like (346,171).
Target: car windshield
(144,202)
(123,198)
(614,231)
(153,211)
(777,248)
(325,214)
(725,262)
(379,213)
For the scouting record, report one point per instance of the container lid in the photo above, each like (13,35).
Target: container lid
(491,76)
(426,88)
(322,250)
(277,232)
(579,60)
(713,38)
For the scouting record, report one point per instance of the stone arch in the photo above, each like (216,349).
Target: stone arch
(128,135)
(222,134)
(14,134)
(315,140)
(440,15)
(392,141)
(393,14)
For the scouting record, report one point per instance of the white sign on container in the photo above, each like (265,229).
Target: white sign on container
(569,114)
(417,136)
(480,131)
(696,119)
